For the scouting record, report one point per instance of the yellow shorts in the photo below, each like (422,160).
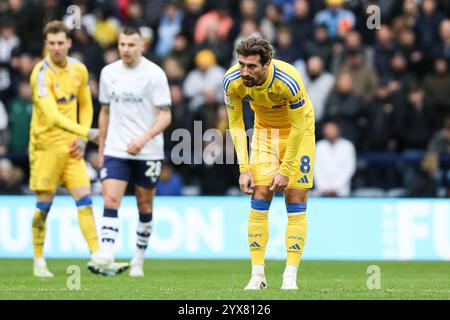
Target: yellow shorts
(50,168)
(268,147)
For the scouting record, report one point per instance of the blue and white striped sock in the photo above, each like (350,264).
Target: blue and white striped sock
(143,232)
(110,230)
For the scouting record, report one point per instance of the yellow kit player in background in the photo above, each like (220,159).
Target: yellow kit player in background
(282,149)
(59,87)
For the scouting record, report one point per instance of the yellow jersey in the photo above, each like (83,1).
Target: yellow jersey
(57,93)
(281,102)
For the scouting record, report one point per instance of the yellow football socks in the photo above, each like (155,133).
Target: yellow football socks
(258,230)
(87,223)
(295,233)
(38,227)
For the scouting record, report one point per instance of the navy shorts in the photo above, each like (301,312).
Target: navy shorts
(144,173)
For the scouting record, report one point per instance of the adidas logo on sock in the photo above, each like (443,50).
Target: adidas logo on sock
(255,245)
(294,247)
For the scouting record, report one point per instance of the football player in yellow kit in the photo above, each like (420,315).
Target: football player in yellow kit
(282,149)
(60,92)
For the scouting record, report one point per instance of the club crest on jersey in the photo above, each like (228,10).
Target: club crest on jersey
(275,97)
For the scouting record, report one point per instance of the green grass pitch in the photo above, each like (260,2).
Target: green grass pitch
(224,279)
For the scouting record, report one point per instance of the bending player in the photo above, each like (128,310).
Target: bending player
(135,98)
(57,141)
(282,149)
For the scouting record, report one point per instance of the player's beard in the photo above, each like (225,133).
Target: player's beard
(249,82)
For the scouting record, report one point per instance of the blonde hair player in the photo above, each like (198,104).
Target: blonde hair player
(60,92)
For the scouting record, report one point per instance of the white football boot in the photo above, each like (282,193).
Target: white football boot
(257,282)
(136,268)
(289,283)
(103,263)
(40,268)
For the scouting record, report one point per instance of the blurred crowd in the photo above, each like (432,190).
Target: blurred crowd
(381,93)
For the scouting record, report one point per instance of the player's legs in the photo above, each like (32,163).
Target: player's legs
(46,166)
(113,192)
(145,174)
(296,231)
(145,198)
(258,235)
(77,182)
(300,181)
(115,175)
(86,220)
(43,205)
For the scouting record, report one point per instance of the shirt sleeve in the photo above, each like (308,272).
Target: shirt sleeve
(160,91)
(86,113)
(103,96)
(45,101)
(298,101)
(237,128)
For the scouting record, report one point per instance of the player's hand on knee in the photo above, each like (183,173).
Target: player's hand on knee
(246,183)
(93,135)
(279,183)
(77,148)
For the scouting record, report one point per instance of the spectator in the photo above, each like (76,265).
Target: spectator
(417,121)
(345,108)
(169,27)
(220,16)
(3,129)
(86,50)
(381,137)
(182,52)
(425,180)
(427,25)
(352,42)
(248,10)
(437,89)
(106,27)
(382,114)
(401,78)
(217,45)
(363,75)
(135,15)
(249,28)
(337,19)
(335,163)
(170,182)
(407,19)
(181,117)
(20,110)
(270,22)
(321,45)
(416,126)
(440,145)
(284,47)
(8,40)
(193,10)
(174,71)
(206,76)
(414,56)
(442,47)
(319,85)
(301,22)
(384,49)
